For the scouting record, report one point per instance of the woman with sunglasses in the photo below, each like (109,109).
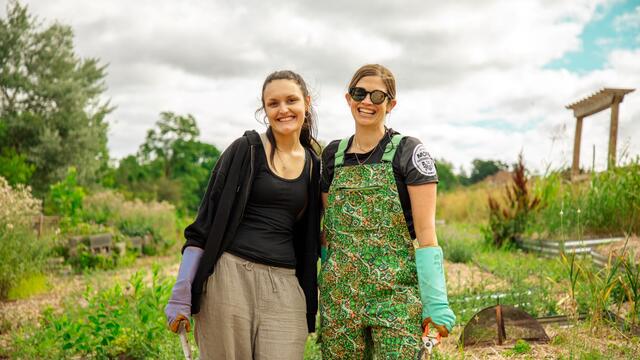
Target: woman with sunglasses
(382,276)
(249,264)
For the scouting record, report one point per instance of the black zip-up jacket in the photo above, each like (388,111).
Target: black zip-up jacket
(221,211)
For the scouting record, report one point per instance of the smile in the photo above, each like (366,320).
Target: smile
(365,111)
(286,118)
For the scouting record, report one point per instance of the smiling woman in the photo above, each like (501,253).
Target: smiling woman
(382,275)
(248,270)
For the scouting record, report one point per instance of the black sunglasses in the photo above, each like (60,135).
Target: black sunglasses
(377,96)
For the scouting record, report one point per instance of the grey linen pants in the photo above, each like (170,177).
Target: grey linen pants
(251,311)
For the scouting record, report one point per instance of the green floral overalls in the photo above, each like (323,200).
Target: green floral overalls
(369,299)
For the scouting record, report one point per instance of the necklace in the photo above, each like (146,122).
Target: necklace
(360,147)
(282,163)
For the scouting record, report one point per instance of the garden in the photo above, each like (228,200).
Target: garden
(90,246)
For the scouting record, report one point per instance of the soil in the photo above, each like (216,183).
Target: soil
(632,246)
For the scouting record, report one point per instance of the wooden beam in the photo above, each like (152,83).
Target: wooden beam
(575,167)
(593,105)
(613,132)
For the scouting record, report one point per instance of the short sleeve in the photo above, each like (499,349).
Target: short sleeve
(328,164)
(415,163)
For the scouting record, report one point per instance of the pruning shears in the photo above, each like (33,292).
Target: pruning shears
(429,342)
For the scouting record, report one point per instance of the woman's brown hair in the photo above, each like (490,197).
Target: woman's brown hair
(309,127)
(376,70)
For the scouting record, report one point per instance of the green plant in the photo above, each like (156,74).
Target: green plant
(21,251)
(457,251)
(598,286)
(116,323)
(572,271)
(508,223)
(65,199)
(607,205)
(631,283)
(520,347)
(134,218)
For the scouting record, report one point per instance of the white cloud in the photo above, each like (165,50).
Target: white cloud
(627,21)
(461,67)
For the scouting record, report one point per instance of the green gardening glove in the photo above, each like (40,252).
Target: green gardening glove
(433,289)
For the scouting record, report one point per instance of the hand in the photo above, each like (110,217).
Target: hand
(442,330)
(179,306)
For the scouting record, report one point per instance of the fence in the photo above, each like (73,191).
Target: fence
(552,248)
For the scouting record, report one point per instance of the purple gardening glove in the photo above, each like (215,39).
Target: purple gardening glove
(179,306)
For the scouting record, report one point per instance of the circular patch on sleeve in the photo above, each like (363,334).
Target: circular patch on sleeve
(423,161)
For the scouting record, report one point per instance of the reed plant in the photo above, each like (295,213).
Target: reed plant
(596,289)
(630,281)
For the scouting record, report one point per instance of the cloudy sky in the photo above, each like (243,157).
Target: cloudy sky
(476,79)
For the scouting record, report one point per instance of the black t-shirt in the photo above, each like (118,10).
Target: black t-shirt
(412,165)
(265,234)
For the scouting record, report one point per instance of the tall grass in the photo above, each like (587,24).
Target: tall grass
(466,204)
(607,205)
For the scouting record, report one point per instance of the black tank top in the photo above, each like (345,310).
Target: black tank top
(265,234)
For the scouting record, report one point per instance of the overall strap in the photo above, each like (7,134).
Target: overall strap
(392,146)
(342,148)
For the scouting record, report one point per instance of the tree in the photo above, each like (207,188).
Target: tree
(484,168)
(447,179)
(51,112)
(159,144)
(171,164)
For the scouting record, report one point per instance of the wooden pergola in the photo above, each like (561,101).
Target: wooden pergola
(603,99)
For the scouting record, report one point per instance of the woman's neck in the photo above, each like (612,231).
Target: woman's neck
(367,137)
(287,143)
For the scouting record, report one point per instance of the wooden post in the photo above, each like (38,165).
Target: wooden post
(613,132)
(575,168)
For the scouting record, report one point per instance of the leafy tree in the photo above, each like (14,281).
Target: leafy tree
(159,144)
(448,179)
(51,112)
(15,167)
(484,168)
(171,164)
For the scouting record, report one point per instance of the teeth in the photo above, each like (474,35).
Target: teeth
(367,111)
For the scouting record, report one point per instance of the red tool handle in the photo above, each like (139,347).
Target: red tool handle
(425,333)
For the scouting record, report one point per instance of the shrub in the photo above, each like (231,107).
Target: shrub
(65,199)
(22,253)
(507,223)
(134,217)
(458,244)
